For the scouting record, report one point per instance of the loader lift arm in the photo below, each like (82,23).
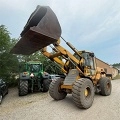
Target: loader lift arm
(60,51)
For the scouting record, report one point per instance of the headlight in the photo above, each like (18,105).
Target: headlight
(31,75)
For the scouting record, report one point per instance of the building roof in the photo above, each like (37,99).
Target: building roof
(103,62)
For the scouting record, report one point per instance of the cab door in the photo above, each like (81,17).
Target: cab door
(89,63)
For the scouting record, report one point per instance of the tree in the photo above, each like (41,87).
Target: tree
(116,64)
(52,67)
(8,62)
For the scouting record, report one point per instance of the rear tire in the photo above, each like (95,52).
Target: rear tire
(54,90)
(105,86)
(83,93)
(23,87)
(46,83)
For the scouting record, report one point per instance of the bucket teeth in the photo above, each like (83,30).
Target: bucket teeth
(42,29)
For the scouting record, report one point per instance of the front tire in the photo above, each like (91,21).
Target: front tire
(105,86)
(83,93)
(23,87)
(54,90)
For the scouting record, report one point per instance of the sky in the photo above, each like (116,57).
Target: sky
(92,25)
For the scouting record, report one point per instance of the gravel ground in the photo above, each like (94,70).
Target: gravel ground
(40,106)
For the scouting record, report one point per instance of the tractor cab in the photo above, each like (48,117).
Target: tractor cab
(36,68)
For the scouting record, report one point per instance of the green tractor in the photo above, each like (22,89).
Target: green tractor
(32,78)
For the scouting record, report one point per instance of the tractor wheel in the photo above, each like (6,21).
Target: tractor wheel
(46,83)
(55,91)
(83,93)
(1,97)
(23,87)
(105,86)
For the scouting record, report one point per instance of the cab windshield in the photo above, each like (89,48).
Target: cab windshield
(35,67)
(88,59)
(30,67)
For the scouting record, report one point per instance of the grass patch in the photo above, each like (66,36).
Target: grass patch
(117,77)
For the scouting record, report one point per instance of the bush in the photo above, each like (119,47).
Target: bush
(117,77)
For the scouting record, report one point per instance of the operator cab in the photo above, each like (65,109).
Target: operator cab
(88,59)
(87,62)
(31,67)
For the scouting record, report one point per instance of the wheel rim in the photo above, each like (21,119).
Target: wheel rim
(59,87)
(87,92)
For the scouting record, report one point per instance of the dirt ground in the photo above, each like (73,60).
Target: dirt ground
(40,106)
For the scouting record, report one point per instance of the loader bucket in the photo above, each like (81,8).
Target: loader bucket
(42,29)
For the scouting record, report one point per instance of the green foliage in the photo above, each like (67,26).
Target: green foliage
(8,62)
(116,77)
(52,67)
(4,39)
(116,64)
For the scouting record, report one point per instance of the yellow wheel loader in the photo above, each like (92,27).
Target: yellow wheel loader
(83,77)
